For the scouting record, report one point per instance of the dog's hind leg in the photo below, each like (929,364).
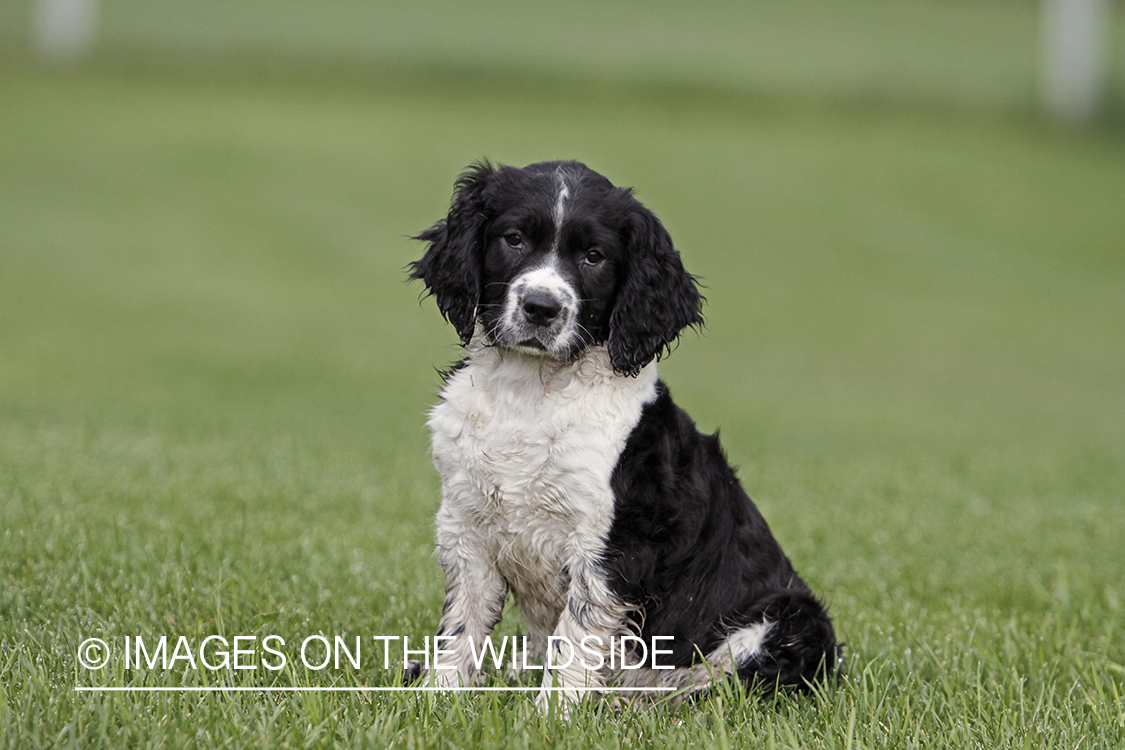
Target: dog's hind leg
(796,648)
(740,647)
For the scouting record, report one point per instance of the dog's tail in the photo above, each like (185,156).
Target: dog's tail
(800,647)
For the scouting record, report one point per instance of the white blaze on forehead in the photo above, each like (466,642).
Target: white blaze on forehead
(560,202)
(560,207)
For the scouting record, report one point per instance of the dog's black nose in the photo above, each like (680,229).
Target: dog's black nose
(541,309)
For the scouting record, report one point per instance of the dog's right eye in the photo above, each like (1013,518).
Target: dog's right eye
(514,240)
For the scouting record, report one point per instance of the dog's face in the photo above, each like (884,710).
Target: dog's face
(551,259)
(552,256)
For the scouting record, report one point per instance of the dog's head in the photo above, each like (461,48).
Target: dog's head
(551,259)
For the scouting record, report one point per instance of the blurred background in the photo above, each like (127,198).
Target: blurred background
(896,206)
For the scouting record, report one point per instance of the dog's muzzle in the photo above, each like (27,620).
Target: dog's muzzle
(541,312)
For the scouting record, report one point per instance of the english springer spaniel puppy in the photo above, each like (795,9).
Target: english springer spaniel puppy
(569,477)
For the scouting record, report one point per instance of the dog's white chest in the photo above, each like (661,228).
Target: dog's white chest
(526,451)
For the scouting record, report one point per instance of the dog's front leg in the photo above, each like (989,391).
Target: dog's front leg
(578,654)
(474,602)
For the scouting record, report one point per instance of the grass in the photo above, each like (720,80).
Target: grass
(213,383)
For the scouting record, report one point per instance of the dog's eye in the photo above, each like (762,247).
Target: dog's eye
(514,240)
(593,258)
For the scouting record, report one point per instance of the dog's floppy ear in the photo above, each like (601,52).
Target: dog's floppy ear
(656,298)
(452,266)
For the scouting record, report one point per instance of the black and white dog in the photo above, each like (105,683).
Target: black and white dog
(569,477)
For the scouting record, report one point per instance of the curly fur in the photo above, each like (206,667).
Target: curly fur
(570,479)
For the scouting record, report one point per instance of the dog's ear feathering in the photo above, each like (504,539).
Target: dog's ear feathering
(656,298)
(453,265)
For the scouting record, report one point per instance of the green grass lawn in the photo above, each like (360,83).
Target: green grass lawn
(213,382)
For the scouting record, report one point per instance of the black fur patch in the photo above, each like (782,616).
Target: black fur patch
(691,549)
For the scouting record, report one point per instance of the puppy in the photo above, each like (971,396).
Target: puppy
(570,479)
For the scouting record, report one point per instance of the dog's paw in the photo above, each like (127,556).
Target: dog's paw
(412,672)
(556,700)
(563,702)
(451,679)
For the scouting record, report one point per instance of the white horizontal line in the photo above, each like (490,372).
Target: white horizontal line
(377,689)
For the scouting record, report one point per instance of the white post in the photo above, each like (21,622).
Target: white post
(65,29)
(1073,47)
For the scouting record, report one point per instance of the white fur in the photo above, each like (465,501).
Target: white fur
(547,280)
(526,447)
(560,202)
(740,646)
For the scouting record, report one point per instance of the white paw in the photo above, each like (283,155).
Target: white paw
(561,701)
(447,679)
(564,696)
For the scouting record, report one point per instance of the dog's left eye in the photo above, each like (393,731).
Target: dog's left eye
(593,258)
